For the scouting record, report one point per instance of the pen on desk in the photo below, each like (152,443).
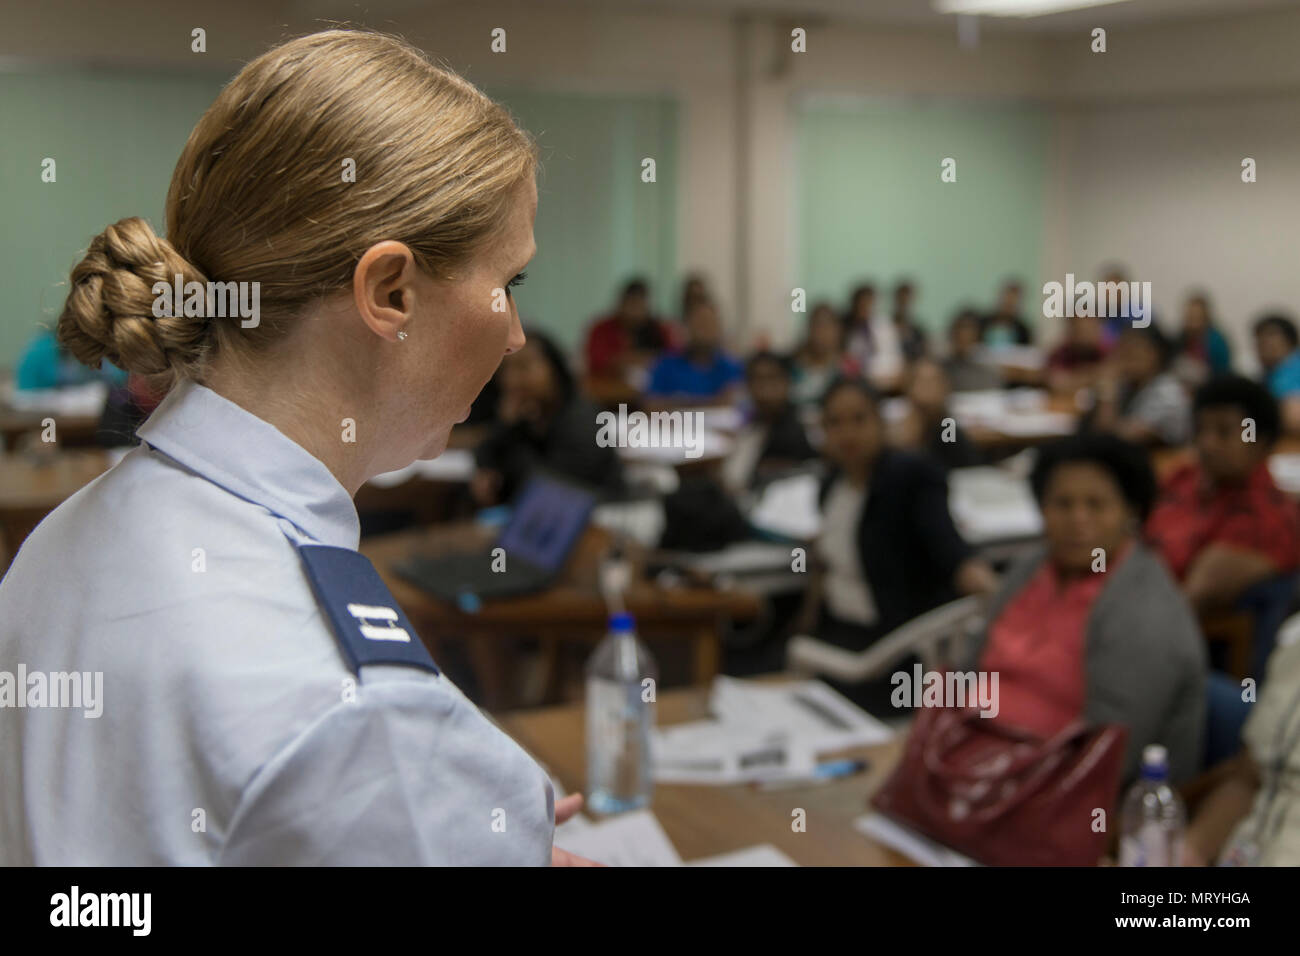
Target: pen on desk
(827,772)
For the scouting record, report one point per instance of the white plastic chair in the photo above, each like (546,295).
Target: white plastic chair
(936,637)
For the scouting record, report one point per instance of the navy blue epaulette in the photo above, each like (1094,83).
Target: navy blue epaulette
(370,627)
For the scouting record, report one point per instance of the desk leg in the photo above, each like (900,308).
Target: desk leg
(491,667)
(706,653)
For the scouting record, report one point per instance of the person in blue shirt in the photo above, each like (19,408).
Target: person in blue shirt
(196,665)
(1277,345)
(701,373)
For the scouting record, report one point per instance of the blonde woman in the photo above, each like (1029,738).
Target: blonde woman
(251,692)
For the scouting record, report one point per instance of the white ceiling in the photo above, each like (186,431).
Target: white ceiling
(920,13)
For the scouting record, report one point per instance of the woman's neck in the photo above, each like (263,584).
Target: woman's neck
(310,415)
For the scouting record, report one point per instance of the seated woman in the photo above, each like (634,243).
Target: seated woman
(820,359)
(773,439)
(1250,814)
(1076,361)
(927,426)
(965,371)
(1092,625)
(1142,401)
(541,421)
(888,550)
(1201,350)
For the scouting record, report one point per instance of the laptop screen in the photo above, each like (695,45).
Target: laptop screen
(548,517)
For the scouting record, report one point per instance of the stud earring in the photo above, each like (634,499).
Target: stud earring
(401,335)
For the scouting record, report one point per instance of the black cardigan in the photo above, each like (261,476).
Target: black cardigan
(909,548)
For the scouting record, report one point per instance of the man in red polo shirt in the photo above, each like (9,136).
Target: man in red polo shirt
(629,338)
(1221,523)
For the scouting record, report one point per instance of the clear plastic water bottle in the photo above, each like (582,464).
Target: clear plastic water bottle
(1153,819)
(621,678)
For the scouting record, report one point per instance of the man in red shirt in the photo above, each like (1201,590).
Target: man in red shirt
(1221,523)
(629,338)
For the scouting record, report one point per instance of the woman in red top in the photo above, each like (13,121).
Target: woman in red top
(1092,626)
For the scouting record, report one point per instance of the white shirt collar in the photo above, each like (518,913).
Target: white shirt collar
(253,459)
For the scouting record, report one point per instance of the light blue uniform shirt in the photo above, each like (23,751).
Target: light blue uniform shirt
(233,729)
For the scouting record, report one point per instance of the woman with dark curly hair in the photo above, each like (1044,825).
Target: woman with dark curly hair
(1092,625)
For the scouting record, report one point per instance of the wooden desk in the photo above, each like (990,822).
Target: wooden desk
(30,488)
(705,821)
(572,611)
(992,439)
(72,430)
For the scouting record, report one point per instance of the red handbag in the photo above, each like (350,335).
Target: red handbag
(1006,797)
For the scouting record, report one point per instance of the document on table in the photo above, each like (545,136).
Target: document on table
(637,839)
(762,732)
(629,839)
(989,504)
(908,842)
(788,507)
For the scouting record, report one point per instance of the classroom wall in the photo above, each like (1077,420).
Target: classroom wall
(1158,187)
(872,205)
(114,138)
(738,93)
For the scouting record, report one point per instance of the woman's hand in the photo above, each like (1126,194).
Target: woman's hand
(564,811)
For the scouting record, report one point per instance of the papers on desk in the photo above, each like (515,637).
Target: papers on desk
(629,839)
(908,842)
(1028,357)
(762,732)
(1018,413)
(73,400)
(637,839)
(989,504)
(788,507)
(706,446)
(453,465)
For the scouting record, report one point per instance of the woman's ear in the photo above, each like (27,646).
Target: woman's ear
(384,288)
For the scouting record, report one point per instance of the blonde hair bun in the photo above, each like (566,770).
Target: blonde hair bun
(109,312)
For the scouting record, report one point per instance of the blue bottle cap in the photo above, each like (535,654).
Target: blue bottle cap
(622,622)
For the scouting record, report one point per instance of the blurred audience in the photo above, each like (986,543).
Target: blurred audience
(926,426)
(541,422)
(871,340)
(888,549)
(773,440)
(1277,345)
(1201,349)
(701,373)
(1138,398)
(911,335)
(621,345)
(1221,523)
(819,358)
(966,373)
(1005,325)
(1076,362)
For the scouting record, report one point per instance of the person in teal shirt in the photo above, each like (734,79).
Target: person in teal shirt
(44,365)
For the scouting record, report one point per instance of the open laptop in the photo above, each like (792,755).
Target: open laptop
(548,518)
